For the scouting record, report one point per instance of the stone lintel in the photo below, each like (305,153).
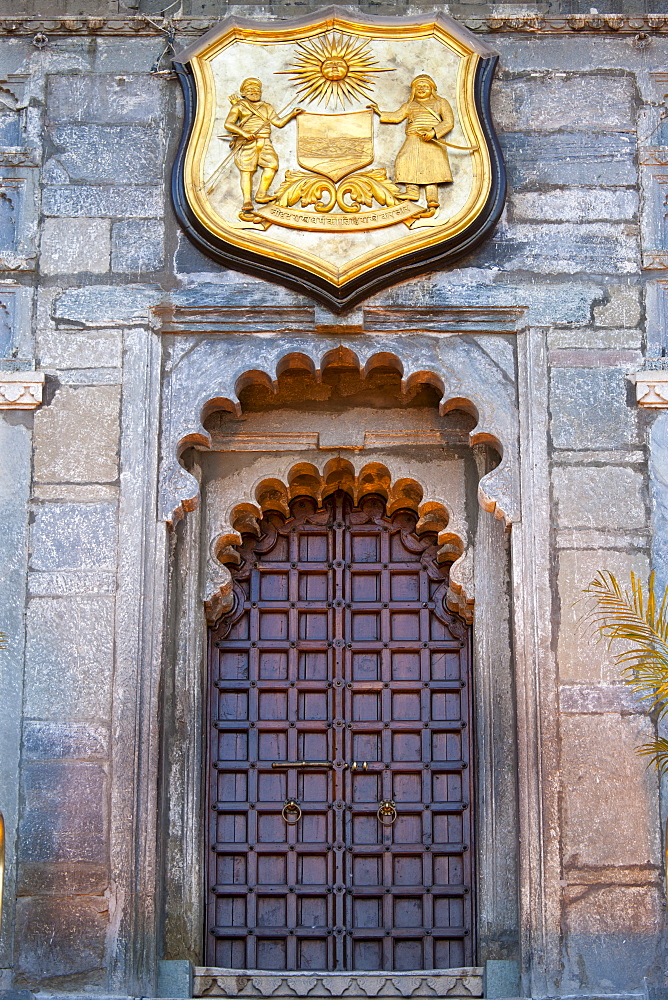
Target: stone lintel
(21,390)
(651,388)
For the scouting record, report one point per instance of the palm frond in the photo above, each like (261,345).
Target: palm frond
(657,752)
(641,626)
(3,640)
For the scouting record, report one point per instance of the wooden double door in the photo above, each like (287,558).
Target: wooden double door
(339,806)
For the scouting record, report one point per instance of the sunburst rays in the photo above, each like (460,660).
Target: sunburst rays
(334,69)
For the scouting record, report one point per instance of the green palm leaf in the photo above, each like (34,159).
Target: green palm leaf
(642,628)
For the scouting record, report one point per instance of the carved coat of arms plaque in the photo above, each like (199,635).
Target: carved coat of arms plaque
(337,154)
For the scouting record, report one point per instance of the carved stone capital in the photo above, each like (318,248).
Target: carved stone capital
(21,390)
(651,389)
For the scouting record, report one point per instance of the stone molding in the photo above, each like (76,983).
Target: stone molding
(651,389)
(21,390)
(467,381)
(465,982)
(599,24)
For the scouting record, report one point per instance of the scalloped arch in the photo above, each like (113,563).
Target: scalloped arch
(497,490)
(306,479)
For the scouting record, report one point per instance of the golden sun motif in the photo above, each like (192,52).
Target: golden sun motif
(334,68)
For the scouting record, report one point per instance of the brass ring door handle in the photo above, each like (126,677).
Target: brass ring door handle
(291,812)
(387,812)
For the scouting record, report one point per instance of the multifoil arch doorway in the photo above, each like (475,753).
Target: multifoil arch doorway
(339,807)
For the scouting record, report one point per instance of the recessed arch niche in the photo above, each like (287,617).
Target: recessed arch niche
(443,445)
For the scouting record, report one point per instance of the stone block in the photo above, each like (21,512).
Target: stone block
(589,409)
(581,659)
(75,245)
(137,245)
(73,536)
(76,437)
(58,937)
(565,248)
(63,741)
(547,103)
(126,55)
(69,658)
(575,205)
(607,498)
(106,305)
(612,935)
(502,979)
(175,979)
(596,337)
(63,878)
(569,158)
(623,307)
(64,815)
(74,200)
(73,349)
(69,583)
(110,154)
(120,97)
(620,830)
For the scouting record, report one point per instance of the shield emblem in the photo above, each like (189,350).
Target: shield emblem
(336,154)
(335,145)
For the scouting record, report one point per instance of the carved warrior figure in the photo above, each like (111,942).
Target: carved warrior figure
(423,160)
(249,121)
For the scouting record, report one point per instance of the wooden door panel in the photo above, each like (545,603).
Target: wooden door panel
(339,652)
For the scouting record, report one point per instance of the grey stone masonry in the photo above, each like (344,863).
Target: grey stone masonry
(112,520)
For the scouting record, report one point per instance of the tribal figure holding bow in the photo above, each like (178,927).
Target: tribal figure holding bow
(249,121)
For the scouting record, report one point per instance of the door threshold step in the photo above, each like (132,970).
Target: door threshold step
(424,983)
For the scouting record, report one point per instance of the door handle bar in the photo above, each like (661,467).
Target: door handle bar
(303,765)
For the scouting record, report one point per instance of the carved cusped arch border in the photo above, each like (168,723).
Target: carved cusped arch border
(433,514)
(202,381)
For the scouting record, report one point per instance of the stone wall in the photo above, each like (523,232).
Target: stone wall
(93,267)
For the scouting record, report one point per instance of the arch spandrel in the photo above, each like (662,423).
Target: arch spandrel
(472,372)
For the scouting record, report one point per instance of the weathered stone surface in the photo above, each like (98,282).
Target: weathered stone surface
(599,498)
(598,753)
(74,200)
(65,812)
(560,158)
(590,410)
(110,154)
(80,878)
(72,245)
(611,935)
(74,350)
(592,102)
(575,205)
(69,657)
(76,437)
(103,98)
(126,55)
(62,584)
(61,740)
(73,536)
(596,337)
(137,246)
(566,248)
(90,376)
(106,305)
(58,937)
(623,307)
(581,659)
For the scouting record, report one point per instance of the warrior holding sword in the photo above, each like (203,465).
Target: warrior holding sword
(249,121)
